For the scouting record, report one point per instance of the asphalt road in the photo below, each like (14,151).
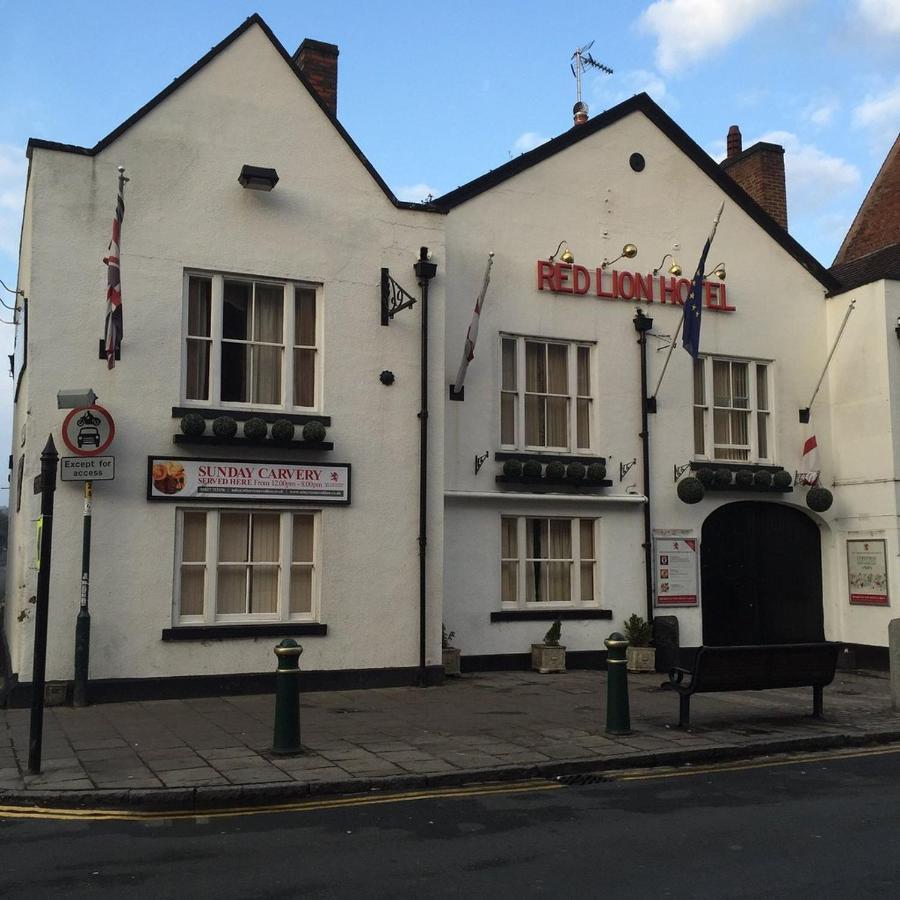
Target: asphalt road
(823,827)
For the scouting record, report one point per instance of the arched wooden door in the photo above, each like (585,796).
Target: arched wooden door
(761,576)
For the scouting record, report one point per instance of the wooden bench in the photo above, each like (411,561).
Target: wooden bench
(756,668)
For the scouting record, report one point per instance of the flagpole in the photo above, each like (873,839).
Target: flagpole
(804,413)
(684,307)
(456,389)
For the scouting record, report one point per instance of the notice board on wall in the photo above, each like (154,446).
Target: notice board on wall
(867,579)
(675,568)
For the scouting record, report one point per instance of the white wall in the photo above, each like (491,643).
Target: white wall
(327,221)
(589,195)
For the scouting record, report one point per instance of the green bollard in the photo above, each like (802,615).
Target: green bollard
(618,718)
(287,698)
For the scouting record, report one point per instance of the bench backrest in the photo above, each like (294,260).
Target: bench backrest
(764,666)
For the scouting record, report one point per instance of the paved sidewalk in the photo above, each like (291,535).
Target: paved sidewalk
(207,752)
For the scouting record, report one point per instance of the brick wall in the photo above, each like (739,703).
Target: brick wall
(318,63)
(759,170)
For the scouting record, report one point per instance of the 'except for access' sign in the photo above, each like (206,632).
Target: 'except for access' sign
(87,468)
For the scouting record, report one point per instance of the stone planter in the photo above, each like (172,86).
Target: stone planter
(546,659)
(451,657)
(641,659)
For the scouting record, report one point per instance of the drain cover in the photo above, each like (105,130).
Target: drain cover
(583,778)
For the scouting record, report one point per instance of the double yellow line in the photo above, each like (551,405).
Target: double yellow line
(793,759)
(117,815)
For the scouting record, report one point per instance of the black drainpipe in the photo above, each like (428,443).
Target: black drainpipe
(642,324)
(425,271)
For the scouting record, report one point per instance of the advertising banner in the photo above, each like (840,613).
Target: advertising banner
(170,478)
(867,573)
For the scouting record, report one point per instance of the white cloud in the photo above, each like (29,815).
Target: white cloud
(605,93)
(528,141)
(879,115)
(813,177)
(821,112)
(13,167)
(688,30)
(416,193)
(880,15)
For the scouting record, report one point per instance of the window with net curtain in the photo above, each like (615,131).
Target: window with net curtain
(732,410)
(247,564)
(251,342)
(548,561)
(545,394)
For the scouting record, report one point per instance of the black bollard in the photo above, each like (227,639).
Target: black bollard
(618,717)
(286,738)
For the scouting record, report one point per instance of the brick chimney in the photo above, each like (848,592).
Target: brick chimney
(318,62)
(759,170)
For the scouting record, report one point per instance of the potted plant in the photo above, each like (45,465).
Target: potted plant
(450,653)
(549,656)
(641,656)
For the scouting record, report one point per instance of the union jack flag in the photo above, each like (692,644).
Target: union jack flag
(114,328)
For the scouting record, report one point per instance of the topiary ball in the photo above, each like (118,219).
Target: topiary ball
(193,424)
(596,472)
(555,471)
(531,468)
(255,429)
(743,478)
(762,479)
(224,427)
(314,432)
(782,480)
(282,430)
(819,499)
(576,471)
(706,477)
(512,468)
(722,478)
(690,490)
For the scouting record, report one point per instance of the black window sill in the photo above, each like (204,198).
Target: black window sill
(548,615)
(210,440)
(733,466)
(221,632)
(241,415)
(548,456)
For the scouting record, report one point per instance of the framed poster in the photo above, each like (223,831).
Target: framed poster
(867,579)
(675,569)
(171,478)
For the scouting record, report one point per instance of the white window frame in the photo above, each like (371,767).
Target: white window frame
(572,396)
(211,565)
(574,572)
(752,409)
(217,295)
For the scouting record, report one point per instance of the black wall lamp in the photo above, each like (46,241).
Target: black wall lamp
(256,178)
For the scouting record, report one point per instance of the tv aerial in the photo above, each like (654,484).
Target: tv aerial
(581,62)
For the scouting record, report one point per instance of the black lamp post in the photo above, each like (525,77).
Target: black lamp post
(642,324)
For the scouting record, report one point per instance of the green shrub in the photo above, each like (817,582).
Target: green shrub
(532,468)
(819,499)
(555,471)
(690,490)
(282,430)
(575,472)
(512,468)
(596,472)
(224,427)
(706,477)
(551,638)
(638,632)
(762,479)
(723,478)
(782,480)
(255,429)
(743,478)
(314,432)
(193,425)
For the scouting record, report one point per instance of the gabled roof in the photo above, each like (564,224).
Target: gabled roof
(882,264)
(255,19)
(643,104)
(877,223)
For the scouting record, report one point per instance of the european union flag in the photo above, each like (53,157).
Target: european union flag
(690,336)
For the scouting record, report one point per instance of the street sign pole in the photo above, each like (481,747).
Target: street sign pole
(83,622)
(49,458)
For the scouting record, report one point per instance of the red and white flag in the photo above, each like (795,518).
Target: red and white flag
(472,333)
(113,329)
(808,473)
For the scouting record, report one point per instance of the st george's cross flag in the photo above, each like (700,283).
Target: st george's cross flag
(472,333)
(113,329)
(690,336)
(808,473)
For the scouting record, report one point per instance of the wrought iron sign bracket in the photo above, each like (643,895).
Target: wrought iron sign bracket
(480,460)
(678,471)
(393,298)
(625,468)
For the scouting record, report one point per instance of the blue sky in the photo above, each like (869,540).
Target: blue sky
(437,94)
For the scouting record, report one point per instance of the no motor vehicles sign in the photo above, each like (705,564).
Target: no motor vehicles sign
(88,430)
